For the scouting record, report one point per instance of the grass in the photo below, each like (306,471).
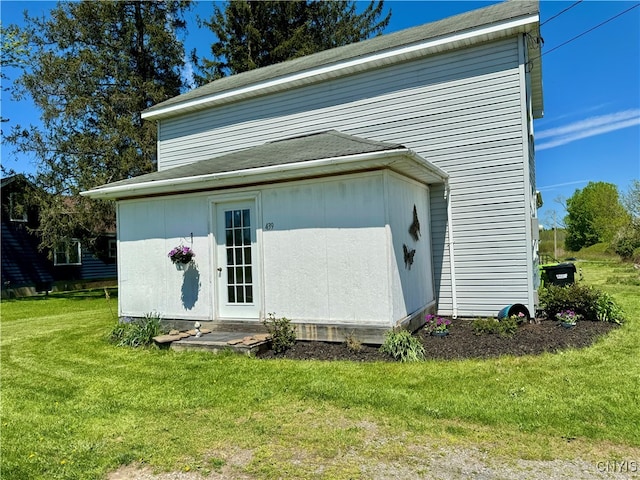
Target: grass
(76,407)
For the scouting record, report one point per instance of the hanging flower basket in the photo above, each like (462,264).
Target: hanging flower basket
(181,255)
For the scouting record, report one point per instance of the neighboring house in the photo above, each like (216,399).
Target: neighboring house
(336,157)
(25,268)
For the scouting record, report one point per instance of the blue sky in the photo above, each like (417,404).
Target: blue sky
(591,127)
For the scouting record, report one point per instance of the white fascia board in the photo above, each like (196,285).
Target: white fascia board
(436,171)
(273,172)
(344,67)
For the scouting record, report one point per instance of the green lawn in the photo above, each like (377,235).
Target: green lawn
(74,406)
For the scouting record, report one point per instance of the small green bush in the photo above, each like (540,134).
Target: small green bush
(585,300)
(627,240)
(353,343)
(578,297)
(504,327)
(139,332)
(283,334)
(403,346)
(607,310)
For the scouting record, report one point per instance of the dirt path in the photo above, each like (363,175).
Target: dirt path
(452,464)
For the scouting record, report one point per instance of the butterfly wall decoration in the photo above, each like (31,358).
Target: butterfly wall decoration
(414,228)
(408,256)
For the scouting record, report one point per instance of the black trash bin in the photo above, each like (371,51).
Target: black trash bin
(560,274)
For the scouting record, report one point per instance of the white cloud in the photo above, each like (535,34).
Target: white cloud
(578,113)
(553,187)
(588,128)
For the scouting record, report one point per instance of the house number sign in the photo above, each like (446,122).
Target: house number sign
(268,226)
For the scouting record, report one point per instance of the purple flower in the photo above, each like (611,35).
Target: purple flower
(434,323)
(181,254)
(568,316)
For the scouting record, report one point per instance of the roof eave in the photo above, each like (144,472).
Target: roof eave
(498,30)
(402,160)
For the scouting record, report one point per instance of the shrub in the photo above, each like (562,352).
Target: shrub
(578,297)
(139,332)
(504,327)
(352,343)
(607,310)
(627,240)
(403,346)
(586,301)
(283,334)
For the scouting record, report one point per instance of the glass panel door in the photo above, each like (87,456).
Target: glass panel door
(238,253)
(236,260)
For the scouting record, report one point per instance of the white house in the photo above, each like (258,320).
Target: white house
(301,186)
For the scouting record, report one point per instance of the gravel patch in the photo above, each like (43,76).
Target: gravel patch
(451,464)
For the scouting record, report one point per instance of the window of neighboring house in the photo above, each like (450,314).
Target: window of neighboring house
(68,253)
(113,248)
(17,209)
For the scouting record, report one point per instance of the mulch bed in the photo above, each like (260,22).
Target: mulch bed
(462,342)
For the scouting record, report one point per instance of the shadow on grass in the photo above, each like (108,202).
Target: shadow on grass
(71,295)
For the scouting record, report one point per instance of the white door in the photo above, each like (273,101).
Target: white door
(236,271)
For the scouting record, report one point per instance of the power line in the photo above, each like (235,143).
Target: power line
(560,13)
(591,29)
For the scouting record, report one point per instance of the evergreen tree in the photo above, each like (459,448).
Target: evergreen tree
(594,214)
(94,66)
(254,34)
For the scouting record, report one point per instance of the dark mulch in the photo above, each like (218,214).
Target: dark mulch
(530,339)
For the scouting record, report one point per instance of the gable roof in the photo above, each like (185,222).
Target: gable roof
(15,183)
(491,23)
(325,153)
(17,178)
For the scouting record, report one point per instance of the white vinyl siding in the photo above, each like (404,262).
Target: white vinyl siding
(400,100)
(461,111)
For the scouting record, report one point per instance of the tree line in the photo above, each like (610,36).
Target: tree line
(599,213)
(90,68)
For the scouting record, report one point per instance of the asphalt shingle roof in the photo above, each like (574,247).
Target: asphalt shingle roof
(306,148)
(459,23)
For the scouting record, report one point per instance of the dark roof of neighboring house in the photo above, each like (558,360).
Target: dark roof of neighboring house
(278,158)
(19,177)
(468,21)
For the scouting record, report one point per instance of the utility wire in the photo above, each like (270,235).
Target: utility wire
(591,29)
(560,13)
